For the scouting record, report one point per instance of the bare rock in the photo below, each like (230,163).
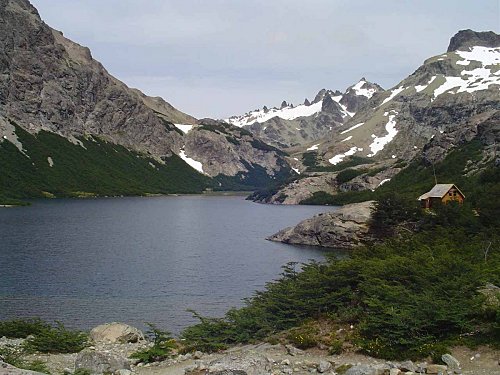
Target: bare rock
(116,333)
(98,362)
(6,369)
(346,227)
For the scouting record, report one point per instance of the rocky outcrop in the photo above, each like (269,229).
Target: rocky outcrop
(345,228)
(465,39)
(115,333)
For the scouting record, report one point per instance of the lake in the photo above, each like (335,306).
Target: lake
(136,260)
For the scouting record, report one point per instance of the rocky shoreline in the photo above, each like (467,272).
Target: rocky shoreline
(113,343)
(344,228)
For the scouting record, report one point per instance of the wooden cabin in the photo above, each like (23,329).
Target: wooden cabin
(441,193)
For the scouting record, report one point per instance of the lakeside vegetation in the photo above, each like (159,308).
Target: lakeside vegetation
(408,297)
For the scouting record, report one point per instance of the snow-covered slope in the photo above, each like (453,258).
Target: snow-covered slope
(291,125)
(448,91)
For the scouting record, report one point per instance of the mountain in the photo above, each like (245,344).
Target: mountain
(289,125)
(449,101)
(55,99)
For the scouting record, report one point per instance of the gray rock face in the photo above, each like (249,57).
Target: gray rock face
(115,333)
(346,228)
(49,82)
(468,38)
(100,362)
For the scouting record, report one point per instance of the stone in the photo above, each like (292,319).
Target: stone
(452,363)
(115,333)
(324,366)
(437,369)
(361,370)
(123,372)
(344,228)
(197,355)
(293,351)
(394,371)
(407,366)
(100,362)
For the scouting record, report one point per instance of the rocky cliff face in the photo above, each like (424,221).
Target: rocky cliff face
(452,99)
(451,91)
(290,125)
(49,83)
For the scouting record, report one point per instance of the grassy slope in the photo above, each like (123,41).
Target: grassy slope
(100,168)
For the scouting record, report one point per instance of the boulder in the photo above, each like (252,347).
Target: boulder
(345,228)
(115,333)
(361,370)
(324,366)
(452,363)
(100,362)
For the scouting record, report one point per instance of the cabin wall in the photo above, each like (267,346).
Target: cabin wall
(453,195)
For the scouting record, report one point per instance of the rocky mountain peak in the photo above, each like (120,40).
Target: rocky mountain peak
(283,104)
(469,38)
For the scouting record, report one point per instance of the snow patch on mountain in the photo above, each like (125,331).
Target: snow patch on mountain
(379,143)
(313,147)
(423,87)
(340,157)
(394,93)
(487,56)
(193,163)
(286,113)
(347,139)
(477,79)
(360,91)
(184,128)
(352,128)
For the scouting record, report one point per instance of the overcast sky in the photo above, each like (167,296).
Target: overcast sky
(214,58)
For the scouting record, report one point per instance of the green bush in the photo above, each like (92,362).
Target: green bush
(304,337)
(22,328)
(336,347)
(57,339)
(163,345)
(348,174)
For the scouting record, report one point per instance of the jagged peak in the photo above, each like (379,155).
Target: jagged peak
(465,39)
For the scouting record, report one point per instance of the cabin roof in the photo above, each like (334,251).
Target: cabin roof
(439,191)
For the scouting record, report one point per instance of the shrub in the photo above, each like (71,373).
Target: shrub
(57,339)
(163,345)
(22,328)
(335,347)
(304,337)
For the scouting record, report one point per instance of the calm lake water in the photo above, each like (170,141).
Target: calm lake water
(136,260)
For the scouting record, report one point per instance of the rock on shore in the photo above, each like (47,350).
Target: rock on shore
(345,228)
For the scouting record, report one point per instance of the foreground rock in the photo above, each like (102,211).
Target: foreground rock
(100,362)
(345,228)
(6,369)
(116,333)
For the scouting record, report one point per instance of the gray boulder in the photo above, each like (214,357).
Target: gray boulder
(115,333)
(245,363)
(345,228)
(452,363)
(100,362)
(324,366)
(361,370)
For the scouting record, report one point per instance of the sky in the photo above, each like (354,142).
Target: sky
(216,58)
